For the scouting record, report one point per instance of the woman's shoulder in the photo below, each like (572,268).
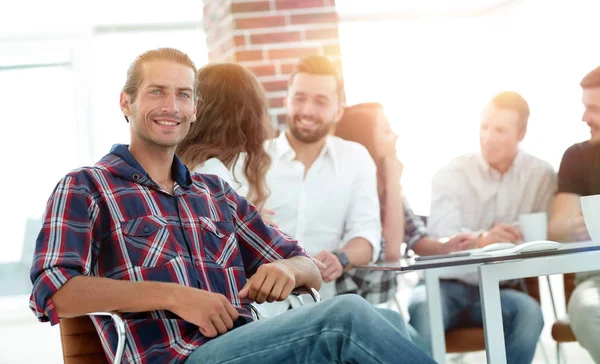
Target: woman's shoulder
(216,167)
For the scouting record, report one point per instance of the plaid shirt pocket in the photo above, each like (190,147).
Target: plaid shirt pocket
(219,243)
(147,241)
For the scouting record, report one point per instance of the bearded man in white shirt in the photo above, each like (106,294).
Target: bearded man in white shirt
(484,193)
(323,189)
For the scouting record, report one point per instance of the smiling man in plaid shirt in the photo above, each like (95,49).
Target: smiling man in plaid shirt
(182,256)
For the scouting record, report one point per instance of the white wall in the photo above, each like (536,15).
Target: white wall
(434,74)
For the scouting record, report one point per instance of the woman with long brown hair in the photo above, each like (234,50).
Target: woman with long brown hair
(232,124)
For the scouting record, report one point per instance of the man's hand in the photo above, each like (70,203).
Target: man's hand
(331,269)
(500,233)
(577,228)
(460,242)
(211,312)
(271,282)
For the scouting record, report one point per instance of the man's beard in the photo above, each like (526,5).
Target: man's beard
(311,137)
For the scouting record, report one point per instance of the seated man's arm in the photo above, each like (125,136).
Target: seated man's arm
(362,229)
(566,221)
(445,219)
(64,257)
(446,215)
(211,312)
(362,232)
(448,201)
(429,246)
(546,191)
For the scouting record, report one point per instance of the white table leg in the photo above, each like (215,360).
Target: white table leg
(489,287)
(434,308)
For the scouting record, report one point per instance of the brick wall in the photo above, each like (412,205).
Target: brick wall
(268,36)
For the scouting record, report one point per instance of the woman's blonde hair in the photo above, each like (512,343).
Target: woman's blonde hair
(231,118)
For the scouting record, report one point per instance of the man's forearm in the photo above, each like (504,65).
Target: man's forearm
(558,229)
(359,251)
(305,271)
(429,246)
(82,295)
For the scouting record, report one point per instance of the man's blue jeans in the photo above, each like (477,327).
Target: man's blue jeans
(461,307)
(343,329)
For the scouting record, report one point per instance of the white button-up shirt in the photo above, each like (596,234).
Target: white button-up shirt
(468,195)
(336,202)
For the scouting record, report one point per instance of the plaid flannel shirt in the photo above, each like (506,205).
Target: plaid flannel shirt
(381,286)
(111,220)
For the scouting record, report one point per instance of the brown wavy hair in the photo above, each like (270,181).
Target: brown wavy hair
(231,118)
(358,125)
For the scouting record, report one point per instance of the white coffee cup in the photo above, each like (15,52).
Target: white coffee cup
(590,206)
(534,226)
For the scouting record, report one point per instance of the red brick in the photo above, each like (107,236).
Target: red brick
(263,70)
(298,4)
(287,68)
(250,7)
(332,50)
(272,86)
(260,22)
(314,18)
(291,53)
(276,102)
(281,37)
(245,56)
(239,40)
(318,34)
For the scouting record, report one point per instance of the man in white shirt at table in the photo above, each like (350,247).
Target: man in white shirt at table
(323,188)
(579,175)
(484,193)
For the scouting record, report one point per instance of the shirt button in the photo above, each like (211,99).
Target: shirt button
(146,229)
(136,176)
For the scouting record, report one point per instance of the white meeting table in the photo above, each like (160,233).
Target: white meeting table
(493,268)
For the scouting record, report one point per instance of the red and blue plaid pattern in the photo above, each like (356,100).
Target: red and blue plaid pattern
(111,220)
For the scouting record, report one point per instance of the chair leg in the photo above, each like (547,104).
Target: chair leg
(540,344)
(560,354)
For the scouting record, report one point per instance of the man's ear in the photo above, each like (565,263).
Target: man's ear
(125,104)
(194,115)
(340,112)
(285,100)
(522,134)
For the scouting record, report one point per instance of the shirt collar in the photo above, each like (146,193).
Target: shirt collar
(494,173)
(179,171)
(283,149)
